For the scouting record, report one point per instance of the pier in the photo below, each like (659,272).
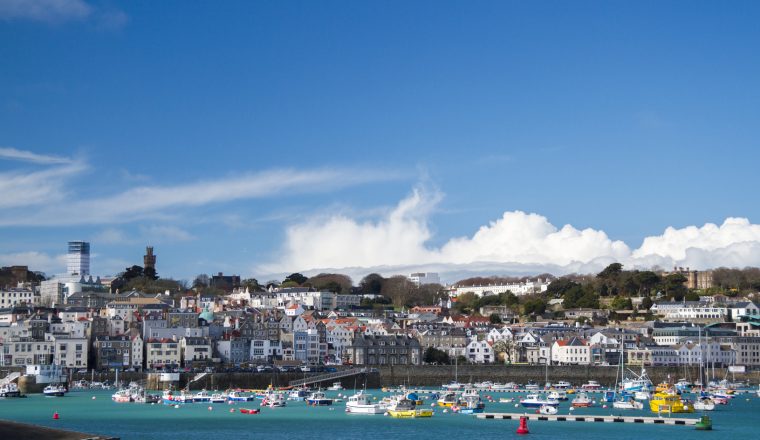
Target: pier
(329,376)
(13,430)
(682,421)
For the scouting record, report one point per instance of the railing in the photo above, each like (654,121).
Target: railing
(10,378)
(327,376)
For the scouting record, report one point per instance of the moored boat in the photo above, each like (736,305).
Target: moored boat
(669,403)
(361,403)
(122,396)
(318,398)
(249,410)
(591,385)
(581,401)
(547,410)
(55,390)
(9,390)
(448,400)
(535,401)
(406,409)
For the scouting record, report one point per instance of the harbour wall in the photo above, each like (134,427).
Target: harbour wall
(427,375)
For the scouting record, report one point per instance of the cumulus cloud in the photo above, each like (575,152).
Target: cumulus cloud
(517,243)
(50,264)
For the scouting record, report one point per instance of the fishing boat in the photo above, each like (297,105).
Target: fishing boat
(581,401)
(55,390)
(202,397)
(237,396)
(637,382)
(531,386)
(336,386)
(361,403)
(414,397)
(448,400)
(558,395)
(561,385)
(469,405)
(218,398)
(535,401)
(9,390)
(298,395)
(704,404)
(318,398)
(143,397)
(406,409)
(669,403)
(642,395)
(547,410)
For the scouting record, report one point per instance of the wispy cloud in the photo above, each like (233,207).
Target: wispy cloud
(164,233)
(21,189)
(51,11)
(28,156)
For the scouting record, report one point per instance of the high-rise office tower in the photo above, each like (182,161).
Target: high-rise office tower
(78,258)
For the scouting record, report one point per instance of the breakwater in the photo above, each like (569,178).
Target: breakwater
(427,376)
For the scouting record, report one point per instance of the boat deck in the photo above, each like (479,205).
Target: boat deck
(592,419)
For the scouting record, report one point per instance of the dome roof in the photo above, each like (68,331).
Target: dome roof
(207,315)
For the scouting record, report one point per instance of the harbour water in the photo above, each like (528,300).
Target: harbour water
(130,421)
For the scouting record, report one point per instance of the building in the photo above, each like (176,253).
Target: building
(518,288)
(113,352)
(573,351)
(16,296)
(78,258)
(694,279)
(228,283)
(385,350)
(69,351)
(195,350)
(161,353)
(480,352)
(420,278)
(149,261)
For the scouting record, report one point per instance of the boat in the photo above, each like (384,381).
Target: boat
(469,405)
(535,401)
(406,409)
(172,397)
(642,395)
(448,400)
(485,385)
(55,390)
(122,396)
(414,397)
(9,390)
(144,397)
(758,390)
(318,398)
(298,395)
(274,400)
(237,396)
(453,386)
(547,410)
(591,385)
(504,386)
(249,410)
(218,398)
(704,423)
(704,404)
(562,385)
(581,401)
(531,386)
(361,403)
(506,400)
(627,403)
(336,386)
(683,385)
(669,403)
(558,395)
(202,397)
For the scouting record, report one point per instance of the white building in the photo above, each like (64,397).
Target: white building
(78,258)
(480,352)
(17,295)
(526,288)
(573,351)
(69,352)
(420,278)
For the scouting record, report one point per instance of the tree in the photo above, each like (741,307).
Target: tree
(610,272)
(433,355)
(201,280)
(371,284)
(333,282)
(494,318)
(466,302)
(534,306)
(621,303)
(692,296)
(150,272)
(132,272)
(297,278)
(252,284)
(646,303)
(399,289)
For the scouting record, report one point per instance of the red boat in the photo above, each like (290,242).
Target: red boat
(249,411)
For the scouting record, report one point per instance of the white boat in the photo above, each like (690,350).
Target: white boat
(361,403)
(218,398)
(274,400)
(336,386)
(638,382)
(504,386)
(318,398)
(535,401)
(547,409)
(9,390)
(581,401)
(55,390)
(558,395)
(237,396)
(591,385)
(531,386)
(298,395)
(506,400)
(485,385)
(627,404)
(562,385)
(642,395)
(202,397)
(704,404)
(122,396)
(453,386)
(470,392)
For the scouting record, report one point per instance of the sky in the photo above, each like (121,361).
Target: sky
(265,138)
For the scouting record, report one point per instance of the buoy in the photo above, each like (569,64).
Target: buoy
(516,405)
(432,405)
(93,397)
(232,410)
(523,428)
(55,416)
(604,406)
(572,409)
(176,406)
(210,408)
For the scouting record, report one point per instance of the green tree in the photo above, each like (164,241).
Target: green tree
(371,284)
(297,278)
(433,355)
(534,306)
(494,318)
(646,303)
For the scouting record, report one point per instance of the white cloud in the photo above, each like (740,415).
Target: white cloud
(164,233)
(111,236)
(44,10)
(35,261)
(516,243)
(28,156)
(22,188)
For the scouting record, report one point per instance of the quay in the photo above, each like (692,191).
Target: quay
(683,421)
(22,431)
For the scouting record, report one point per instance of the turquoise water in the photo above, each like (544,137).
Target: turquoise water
(78,411)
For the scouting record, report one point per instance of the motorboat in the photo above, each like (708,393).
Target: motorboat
(318,398)
(485,385)
(453,386)
(562,385)
(704,404)
(406,409)
(547,410)
(669,403)
(581,401)
(202,397)
(249,410)
(470,392)
(627,402)
(143,397)
(55,390)
(535,401)
(448,400)
(642,395)
(237,396)
(506,399)
(531,386)
(274,400)
(361,403)
(469,405)
(558,395)
(298,395)
(505,386)
(218,398)
(591,385)
(122,396)
(9,390)
(336,386)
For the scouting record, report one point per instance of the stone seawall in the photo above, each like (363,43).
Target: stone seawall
(427,375)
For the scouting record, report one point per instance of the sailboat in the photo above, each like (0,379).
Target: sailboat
(455,385)
(624,400)
(704,403)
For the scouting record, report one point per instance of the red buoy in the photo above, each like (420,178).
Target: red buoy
(55,416)
(523,428)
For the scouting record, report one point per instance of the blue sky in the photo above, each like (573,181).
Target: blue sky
(216,131)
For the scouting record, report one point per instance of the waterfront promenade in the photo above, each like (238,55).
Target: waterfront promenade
(22,431)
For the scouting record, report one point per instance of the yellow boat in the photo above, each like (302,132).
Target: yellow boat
(407,409)
(669,403)
(448,400)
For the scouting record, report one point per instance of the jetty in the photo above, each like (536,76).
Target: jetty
(682,421)
(328,376)
(14,430)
